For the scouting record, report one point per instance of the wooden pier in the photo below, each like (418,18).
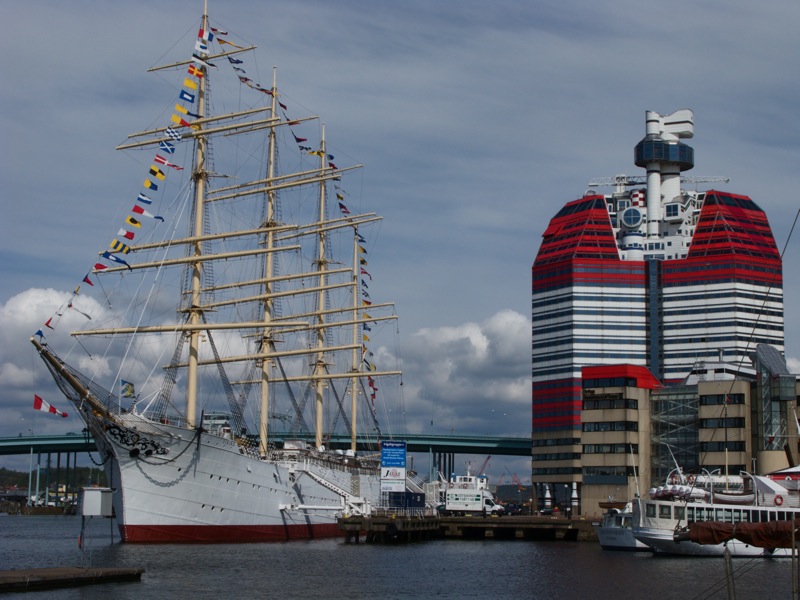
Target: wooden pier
(398,528)
(29,580)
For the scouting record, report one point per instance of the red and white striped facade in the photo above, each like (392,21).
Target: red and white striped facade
(656,276)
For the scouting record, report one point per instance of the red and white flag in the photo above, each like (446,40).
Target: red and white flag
(163,161)
(43,406)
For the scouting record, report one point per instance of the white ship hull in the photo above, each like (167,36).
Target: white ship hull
(212,492)
(615,531)
(619,538)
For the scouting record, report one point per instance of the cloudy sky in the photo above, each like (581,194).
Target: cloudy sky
(476,122)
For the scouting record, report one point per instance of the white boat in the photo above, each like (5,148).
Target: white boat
(267,323)
(667,520)
(615,529)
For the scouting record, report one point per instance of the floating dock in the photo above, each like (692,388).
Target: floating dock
(397,528)
(29,580)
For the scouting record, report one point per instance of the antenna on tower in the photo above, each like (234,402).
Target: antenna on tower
(623,181)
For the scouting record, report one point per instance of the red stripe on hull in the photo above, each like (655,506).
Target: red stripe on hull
(211,534)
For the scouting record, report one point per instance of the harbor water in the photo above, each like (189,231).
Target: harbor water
(332,569)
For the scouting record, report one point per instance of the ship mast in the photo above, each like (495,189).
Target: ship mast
(267,341)
(199,175)
(356,350)
(322,267)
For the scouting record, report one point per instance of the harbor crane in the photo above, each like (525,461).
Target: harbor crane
(483,466)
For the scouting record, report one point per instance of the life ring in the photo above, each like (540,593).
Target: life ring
(451,486)
(463,486)
(778,500)
(787,478)
(691,479)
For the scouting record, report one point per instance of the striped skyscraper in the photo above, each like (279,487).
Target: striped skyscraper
(652,274)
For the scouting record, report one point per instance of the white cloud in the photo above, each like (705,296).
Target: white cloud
(474,378)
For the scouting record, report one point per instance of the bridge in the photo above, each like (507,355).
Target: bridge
(431,444)
(440,448)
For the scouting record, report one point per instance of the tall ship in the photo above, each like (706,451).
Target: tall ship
(230,345)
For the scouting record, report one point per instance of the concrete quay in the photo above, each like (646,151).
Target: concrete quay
(397,528)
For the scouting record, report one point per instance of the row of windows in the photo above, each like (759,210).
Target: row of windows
(728,422)
(563,277)
(722,446)
(564,361)
(556,456)
(702,324)
(610,448)
(603,382)
(744,341)
(730,295)
(592,203)
(717,399)
(723,468)
(738,308)
(620,320)
(606,471)
(698,514)
(580,293)
(611,426)
(557,471)
(557,442)
(740,279)
(608,403)
(538,428)
(722,200)
(638,343)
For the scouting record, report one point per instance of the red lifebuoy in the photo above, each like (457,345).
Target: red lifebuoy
(778,500)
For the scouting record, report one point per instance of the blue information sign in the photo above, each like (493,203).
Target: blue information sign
(393,454)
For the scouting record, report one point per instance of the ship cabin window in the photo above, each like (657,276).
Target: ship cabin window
(690,518)
(680,513)
(665,511)
(724,515)
(700,514)
(650,510)
(672,210)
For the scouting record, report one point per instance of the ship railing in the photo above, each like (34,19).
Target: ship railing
(415,484)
